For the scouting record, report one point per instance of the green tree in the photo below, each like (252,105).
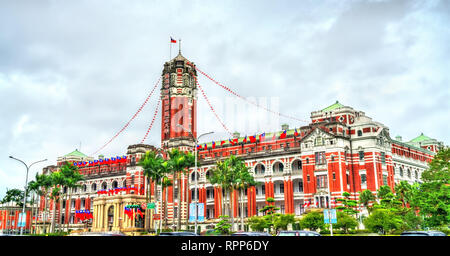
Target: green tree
(403,191)
(221,175)
(179,162)
(223,226)
(432,197)
(313,221)
(243,180)
(281,221)
(15,196)
(348,204)
(259,223)
(155,169)
(365,198)
(383,221)
(345,222)
(71,180)
(57,179)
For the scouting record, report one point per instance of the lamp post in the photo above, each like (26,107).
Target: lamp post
(195,171)
(26,183)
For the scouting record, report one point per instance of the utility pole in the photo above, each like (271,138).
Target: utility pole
(26,184)
(195,171)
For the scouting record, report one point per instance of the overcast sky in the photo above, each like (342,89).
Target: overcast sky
(74,72)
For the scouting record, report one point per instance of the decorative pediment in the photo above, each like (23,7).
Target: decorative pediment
(317,137)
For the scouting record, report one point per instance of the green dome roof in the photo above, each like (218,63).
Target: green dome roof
(421,138)
(76,153)
(332,107)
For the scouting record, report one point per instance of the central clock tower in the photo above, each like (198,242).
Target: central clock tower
(179,104)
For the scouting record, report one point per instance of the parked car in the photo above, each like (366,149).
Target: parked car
(209,232)
(250,234)
(98,234)
(180,233)
(423,233)
(298,233)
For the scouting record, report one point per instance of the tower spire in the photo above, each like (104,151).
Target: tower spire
(179,46)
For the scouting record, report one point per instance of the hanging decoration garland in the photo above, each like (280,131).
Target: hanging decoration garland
(153,120)
(132,118)
(245,99)
(211,107)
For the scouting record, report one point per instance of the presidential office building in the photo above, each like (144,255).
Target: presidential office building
(340,150)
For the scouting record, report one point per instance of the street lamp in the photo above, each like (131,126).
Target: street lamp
(26,183)
(195,170)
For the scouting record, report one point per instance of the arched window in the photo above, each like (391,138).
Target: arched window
(260,169)
(296,165)
(104,185)
(114,184)
(94,187)
(194,176)
(278,167)
(401,172)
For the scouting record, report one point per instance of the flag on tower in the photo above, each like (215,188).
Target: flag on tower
(173,40)
(245,139)
(283,135)
(252,139)
(213,144)
(295,133)
(222,142)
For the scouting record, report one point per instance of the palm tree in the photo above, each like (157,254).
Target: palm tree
(44,182)
(154,168)
(224,174)
(72,177)
(179,162)
(35,187)
(57,179)
(165,184)
(244,180)
(403,192)
(365,197)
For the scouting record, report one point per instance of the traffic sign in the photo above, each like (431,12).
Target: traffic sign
(329,216)
(22,220)
(151,205)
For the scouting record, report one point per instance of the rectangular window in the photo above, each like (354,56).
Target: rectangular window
(320,158)
(361,155)
(383,157)
(300,186)
(363,179)
(385,182)
(322,181)
(281,188)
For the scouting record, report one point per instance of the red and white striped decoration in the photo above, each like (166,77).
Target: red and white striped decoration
(245,99)
(211,107)
(132,118)
(153,120)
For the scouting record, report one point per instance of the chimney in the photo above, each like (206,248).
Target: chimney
(236,135)
(398,138)
(285,127)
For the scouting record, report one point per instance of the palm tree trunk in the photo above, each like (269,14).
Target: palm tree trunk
(52,227)
(180,203)
(186,198)
(232,208)
(242,209)
(174,177)
(44,215)
(69,211)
